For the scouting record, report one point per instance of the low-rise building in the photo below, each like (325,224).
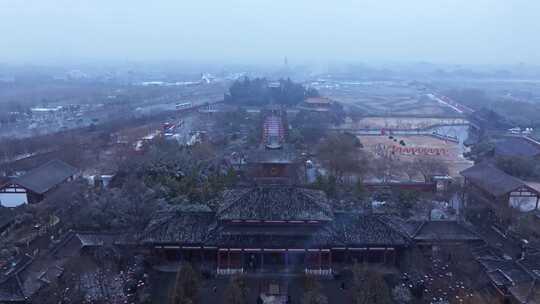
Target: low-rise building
(33,186)
(318,104)
(487,184)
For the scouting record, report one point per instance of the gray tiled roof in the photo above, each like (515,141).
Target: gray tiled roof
(7,216)
(300,237)
(46,177)
(274,203)
(286,155)
(491,179)
(531,263)
(504,272)
(365,230)
(444,231)
(11,290)
(408,228)
(174,226)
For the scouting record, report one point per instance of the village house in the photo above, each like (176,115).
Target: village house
(33,186)
(511,281)
(493,188)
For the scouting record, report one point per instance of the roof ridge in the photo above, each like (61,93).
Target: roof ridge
(230,204)
(41,181)
(332,231)
(404,234)
(478,175)
(211,231)
(378,218)
(20,285)
(319,204)
(417,230)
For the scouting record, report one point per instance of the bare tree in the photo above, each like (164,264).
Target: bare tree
(341,154)
(409,169)
(429,167)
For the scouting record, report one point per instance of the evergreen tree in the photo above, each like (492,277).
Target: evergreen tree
(187,286)
(237,291)
(369,287)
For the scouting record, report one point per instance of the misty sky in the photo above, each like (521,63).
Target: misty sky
(444,31)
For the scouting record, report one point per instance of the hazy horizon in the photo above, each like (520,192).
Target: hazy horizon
(236,31)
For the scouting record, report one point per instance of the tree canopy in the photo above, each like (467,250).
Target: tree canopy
(351,160)
(187,286)
(237,291)
(258,91)
(369,287)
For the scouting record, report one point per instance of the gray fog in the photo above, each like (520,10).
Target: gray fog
(264,31)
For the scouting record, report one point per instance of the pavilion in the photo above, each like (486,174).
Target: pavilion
(272,229)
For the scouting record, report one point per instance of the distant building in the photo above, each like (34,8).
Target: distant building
(47,113)
(512,280)
(33,186)
(318,104)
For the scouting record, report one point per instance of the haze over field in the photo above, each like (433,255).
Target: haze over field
(446,31)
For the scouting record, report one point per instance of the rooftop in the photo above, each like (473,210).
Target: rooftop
(444,231)
(366,230)
(7,216)
(274,203)
(46,177)
(531,263)
(285,155)
(491,179)
(318,100)
(175,225)
(250,236)
(321,227)
(11,290)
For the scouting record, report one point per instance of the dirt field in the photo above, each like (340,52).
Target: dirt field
(400,122)
(418,146)
(385,98)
